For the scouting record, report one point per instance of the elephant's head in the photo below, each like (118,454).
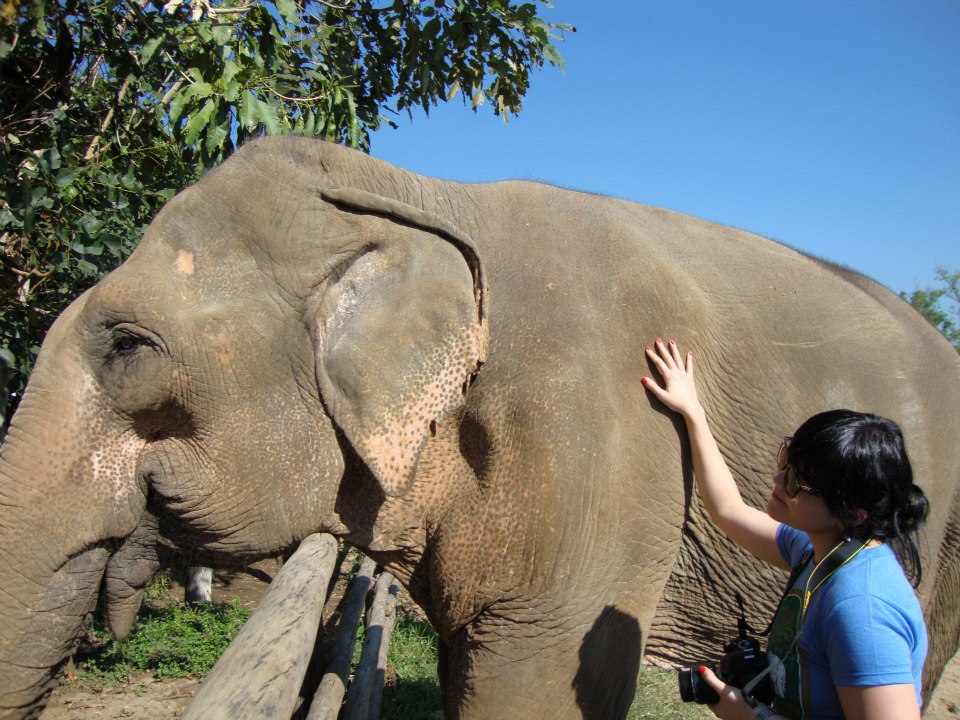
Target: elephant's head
(270,362)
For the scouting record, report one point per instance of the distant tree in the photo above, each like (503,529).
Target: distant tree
(940,305)
(109,108)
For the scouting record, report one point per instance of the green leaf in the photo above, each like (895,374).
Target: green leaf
(177,104)
(553,56)
(8,358)
(432,27)
(231,91)
(87,268)
(182,99)
(230,70)
(87,249)
(66,176)
(222,34)
(51,159)
(249,117)
(217,130)
(112,243)
(150,48)
(199,90)
(288,11)
(198,121)
(91,225)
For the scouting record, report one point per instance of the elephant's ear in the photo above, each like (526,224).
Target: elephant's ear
(400,330)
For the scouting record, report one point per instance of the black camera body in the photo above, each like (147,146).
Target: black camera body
(741,662)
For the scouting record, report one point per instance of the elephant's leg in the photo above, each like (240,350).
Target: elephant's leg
(503,669)
(443,664)
(199,585)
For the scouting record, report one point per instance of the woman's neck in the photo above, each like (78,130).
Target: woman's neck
(823,543)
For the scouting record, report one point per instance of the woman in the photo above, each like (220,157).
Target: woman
(856,650)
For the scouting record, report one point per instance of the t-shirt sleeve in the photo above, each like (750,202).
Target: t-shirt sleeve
(792,544)
(868,642)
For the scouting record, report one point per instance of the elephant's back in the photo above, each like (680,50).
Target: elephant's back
(580,284)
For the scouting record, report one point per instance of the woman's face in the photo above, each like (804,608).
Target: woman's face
(806,510)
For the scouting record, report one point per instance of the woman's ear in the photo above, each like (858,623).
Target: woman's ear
(854,519)
(398,337)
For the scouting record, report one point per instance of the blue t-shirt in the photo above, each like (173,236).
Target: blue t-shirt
(864,626)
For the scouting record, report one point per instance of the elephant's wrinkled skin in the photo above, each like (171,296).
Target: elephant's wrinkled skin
(448,376)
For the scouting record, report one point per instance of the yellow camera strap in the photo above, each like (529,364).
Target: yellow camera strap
(842,553)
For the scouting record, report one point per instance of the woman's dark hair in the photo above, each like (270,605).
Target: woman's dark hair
(859,461)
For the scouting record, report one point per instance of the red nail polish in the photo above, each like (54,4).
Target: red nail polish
(659,340)
(702,669)
(644,380)
(673,342)
(647,348)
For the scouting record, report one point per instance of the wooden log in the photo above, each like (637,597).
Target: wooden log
(345,562)
(366,688)
(389,623)
(260,674)
(329,696)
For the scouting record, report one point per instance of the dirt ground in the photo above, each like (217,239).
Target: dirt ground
(144,698)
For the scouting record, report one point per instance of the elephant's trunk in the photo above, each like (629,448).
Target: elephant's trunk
(65,501)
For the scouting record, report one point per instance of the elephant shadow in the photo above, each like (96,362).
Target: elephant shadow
(606,679)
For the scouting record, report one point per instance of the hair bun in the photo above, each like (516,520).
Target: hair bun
(912,514)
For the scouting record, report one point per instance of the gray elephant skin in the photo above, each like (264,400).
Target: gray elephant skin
(447,376)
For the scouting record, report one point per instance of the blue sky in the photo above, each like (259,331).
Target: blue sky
(833,127)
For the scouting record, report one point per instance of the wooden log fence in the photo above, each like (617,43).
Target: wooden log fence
(276,666)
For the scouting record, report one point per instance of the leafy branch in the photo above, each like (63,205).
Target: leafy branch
(940,305)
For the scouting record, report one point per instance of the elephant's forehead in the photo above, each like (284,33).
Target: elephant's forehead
(171,267)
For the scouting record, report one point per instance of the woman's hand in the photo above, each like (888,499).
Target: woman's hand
(679,392)
(732,706)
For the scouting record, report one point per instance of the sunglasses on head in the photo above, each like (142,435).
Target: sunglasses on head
(791,483)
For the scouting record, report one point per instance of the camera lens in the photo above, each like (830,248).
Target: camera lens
(693,688)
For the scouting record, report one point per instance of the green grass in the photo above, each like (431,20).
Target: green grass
(414,693)
(183,641)
(659,698)
(173,641)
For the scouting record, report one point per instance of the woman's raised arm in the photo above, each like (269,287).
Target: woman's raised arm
(751,529)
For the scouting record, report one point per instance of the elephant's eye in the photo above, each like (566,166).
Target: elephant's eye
(124,343)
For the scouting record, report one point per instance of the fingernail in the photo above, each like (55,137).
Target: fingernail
(647,348)
(659,340)
(673,342)
(702,669)
(644,380)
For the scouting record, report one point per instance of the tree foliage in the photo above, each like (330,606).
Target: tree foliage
(940,305)
(109,108)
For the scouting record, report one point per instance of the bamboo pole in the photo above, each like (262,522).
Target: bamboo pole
(366,688)
(329,696)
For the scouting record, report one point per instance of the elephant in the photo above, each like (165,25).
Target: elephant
(447,376)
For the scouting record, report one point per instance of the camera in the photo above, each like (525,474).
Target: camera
(741,662)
